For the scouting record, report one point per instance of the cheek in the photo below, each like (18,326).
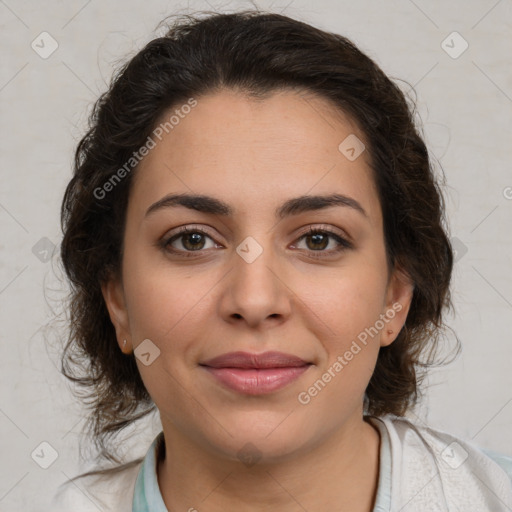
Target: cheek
(343,319)
(168,308)
(350,301)
(162,301)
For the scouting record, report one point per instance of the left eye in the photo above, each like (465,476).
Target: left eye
(319,241)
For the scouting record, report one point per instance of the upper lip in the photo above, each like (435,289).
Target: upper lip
(247,360)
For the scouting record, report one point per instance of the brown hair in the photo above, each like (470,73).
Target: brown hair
(257,53)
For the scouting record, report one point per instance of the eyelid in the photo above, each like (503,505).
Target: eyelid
(187,228)
(327,228)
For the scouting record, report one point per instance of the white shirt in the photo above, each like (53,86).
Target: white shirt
(420,470)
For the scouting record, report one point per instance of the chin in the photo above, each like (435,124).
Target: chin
(263,438)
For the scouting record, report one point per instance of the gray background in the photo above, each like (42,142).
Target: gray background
(465,104)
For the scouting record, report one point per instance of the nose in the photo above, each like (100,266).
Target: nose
(255,290)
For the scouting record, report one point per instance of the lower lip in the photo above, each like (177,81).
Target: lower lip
(252,381)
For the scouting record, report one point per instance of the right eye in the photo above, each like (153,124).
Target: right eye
(191,239)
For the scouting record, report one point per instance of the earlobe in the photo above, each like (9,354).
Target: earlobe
(113,294)
(398,302)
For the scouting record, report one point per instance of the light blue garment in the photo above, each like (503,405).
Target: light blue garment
(147,496)
(504,461)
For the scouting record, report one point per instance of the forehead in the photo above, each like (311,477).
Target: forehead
(235,147)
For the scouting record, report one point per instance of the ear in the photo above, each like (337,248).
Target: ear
(113,294)
(398,302)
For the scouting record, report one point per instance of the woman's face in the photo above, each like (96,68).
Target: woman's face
(254,279)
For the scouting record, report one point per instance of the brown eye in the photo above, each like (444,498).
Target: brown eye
(317,241)
(192,241)
(188,240)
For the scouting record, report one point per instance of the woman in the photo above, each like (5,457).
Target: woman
(256,242)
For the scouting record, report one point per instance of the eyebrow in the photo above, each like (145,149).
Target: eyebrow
(207,204)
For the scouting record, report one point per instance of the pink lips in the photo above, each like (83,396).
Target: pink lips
(256,374)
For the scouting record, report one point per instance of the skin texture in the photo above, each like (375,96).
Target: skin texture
(255,156)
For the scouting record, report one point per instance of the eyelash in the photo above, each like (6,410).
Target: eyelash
(343,243)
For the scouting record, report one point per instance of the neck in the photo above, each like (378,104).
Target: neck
(341,470)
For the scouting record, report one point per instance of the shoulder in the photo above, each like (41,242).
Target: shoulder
(105,491)
(428,462)
(454,450)
(504,461)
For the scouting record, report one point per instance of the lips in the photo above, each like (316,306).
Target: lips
(255,374)
(247,360)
